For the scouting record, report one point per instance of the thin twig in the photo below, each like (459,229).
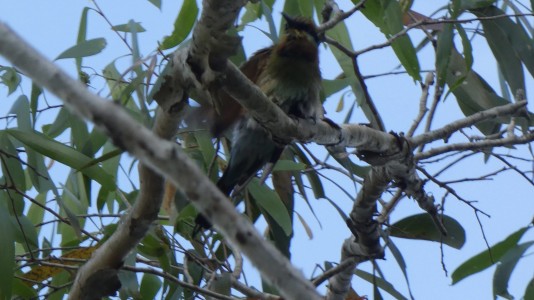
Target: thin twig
(429,80)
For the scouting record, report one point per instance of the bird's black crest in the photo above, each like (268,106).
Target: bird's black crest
(303,24)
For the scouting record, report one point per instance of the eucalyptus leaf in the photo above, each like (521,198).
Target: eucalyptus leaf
(271,203)
(84,49)
(421,227)
(63,154)
(182,25)
(487,258)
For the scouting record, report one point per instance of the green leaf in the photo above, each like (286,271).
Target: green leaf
(7,259)
(64,154)
(466,45)
(22,290)
(421,227)
(484,260)
(443,53)
(24,232)
(271,203)
(129,27)
(306,8)
(331,87)
(34,100)
(387,15)
(497,33)
(508,40)
(61,123)
(505,268)
(473,4)
(10,78)
(381,283)
(397,254)
(39,174)
(11,165)
(129,285)
(472,92)
(84,49)
(82,36)
(136,54)
(156,3)
(21,108)
(313,178)
(150,285)
(182,25)
(205,145)
(266,11)
(36,212)
(288,165)
(529,291)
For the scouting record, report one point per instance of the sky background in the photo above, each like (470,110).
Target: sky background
(52,27)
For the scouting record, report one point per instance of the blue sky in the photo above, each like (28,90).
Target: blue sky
(52,26)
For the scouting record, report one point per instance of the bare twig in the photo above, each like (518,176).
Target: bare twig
(429,80)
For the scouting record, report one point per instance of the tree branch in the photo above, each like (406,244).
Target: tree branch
(446,131)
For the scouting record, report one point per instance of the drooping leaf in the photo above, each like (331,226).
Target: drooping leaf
(313,178)
(182,25)
(7,259)
(443,53)
(267,13)
(64,154)
(21,289)
(473,4)
(381,283)
(505,268)
(34,100)
(307,227)
(269,200)
(506,39)
(421,227)
(21,108)
(466,46)
(156,3)
(24,232)
(497,33)
(288,165)
(333,86)
(472,92)
(397,254)
(129,27)
(82,36)
(529,291)
(487,258)
(387,15)
(11,166)
(150,285)
(84,49)
(60,124)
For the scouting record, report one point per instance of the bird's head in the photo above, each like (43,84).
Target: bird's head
(300,28)
(300,39)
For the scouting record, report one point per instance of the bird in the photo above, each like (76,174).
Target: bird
(288,74)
